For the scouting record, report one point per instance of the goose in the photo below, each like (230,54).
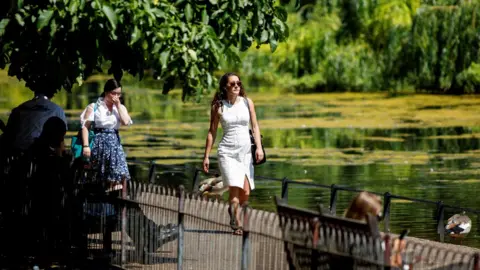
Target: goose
(212,187)
(458,225)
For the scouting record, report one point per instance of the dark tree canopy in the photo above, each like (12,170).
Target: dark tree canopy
(53,44)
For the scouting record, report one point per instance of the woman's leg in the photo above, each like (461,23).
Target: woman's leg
(234,199)
(245,192)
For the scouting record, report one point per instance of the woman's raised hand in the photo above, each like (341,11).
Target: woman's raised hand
(116,100)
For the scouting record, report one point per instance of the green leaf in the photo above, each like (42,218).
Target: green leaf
(214,2)
(53,27)
(264,36)
(19,19)
(44,18)
(273,44)
(135,35)
(234,29)
(112,17)
(3,25)
(209,79)
(279,27)
(216,13)
(188,12)
(193,71)
(164,58)
(242,28)
(192,54)
(73,7)
(205,17)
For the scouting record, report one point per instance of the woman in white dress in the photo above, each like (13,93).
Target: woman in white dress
(235,111)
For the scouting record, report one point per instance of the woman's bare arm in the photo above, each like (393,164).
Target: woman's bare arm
(212,131)
(255,126)
(212,134)
(86,125)
(124,116)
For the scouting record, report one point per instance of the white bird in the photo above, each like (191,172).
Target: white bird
(458,225)
(212,187)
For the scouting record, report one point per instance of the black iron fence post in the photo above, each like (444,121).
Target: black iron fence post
(440,216)
(245,238)
(181,202)
(285,189)
(387,197)
(196,179)
(333,199)
(152,172)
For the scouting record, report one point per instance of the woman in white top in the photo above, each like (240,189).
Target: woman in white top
(235,111)
(108,158)
(106,155)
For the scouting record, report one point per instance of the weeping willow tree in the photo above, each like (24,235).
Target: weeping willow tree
(367,45)
(444,49)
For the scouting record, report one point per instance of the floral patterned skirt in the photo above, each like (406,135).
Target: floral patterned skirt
(108,157)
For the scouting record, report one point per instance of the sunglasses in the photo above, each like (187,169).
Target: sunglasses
(116,94)
(235,83)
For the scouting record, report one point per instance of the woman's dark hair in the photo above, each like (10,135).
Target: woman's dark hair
(222,90)
(110,85)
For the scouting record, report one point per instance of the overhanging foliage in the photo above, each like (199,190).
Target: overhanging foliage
(53,44)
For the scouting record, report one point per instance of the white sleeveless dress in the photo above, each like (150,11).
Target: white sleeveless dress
(234,150)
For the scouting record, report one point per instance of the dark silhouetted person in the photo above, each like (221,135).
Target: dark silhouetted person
(50,191)
(26,122)
(39,218)
(51,141)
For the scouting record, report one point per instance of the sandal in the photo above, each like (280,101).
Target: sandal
(238,231)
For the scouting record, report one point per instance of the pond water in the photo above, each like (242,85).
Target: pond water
(416,146)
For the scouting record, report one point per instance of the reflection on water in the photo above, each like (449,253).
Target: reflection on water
(409,146)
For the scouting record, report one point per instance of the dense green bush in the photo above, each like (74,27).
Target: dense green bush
(366,45)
